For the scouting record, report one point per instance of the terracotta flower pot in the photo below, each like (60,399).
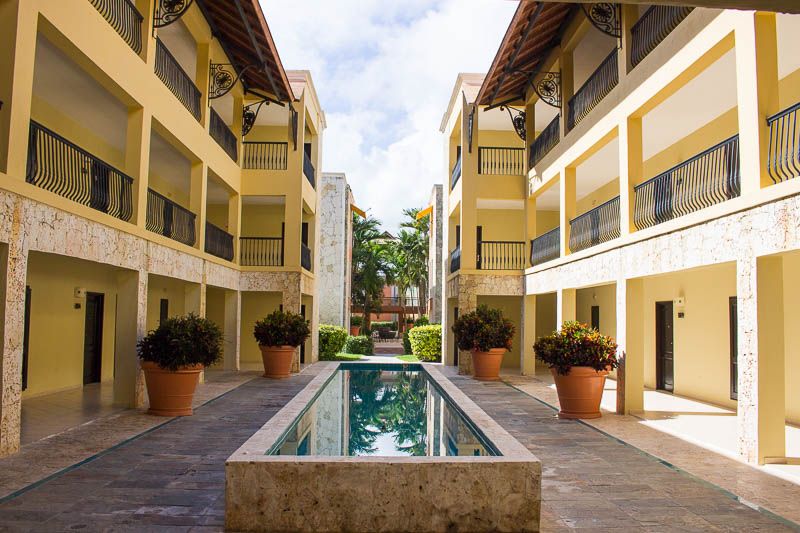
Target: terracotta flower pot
(355,330)
(277,361)
(580,391)
(486,365)
(170,392)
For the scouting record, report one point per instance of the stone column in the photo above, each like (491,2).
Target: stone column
(195,298)
(202,80)
(565,306)
(567,203)
(630,341)
(232,330)
(292,301)
(467,302)
(14,265)
(137,160)
(761,388)
(130,327)
(528,363)
(197,201)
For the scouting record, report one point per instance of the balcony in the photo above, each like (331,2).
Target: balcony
(501,255)
(455,260)
(546,247)
(264,155)
(219,242)
(59,166)
(455,175)
(221,133)
(709,178)
(501,161)
(546,141)
(169,219)
(124,18)
(175,78)
(594,227)
(308,170)
(261,251)
(784,144)
(653,27)
(305,257)
(597,87)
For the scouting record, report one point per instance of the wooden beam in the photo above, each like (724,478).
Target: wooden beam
(780,6)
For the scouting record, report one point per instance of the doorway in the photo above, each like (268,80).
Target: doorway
(93,338)
(665,357)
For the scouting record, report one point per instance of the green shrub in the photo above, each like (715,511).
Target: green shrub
(356,321)
(576,344)
(359,345)
(422,321)
(387,325)
(426,342)
(182,341)
(331,341)
(406,343)
(281,329)
(482,330)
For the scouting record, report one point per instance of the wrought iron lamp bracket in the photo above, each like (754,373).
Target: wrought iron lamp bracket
(221,79)
(249,115)
(605,16)
(517,120)
(165,12)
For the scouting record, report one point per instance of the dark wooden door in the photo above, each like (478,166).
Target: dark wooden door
(479,246)
(596,317)
(733,320)
(303,346)
(665,357)
(455,346)
(93,338)
(26,336)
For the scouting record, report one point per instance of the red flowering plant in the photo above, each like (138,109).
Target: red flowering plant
(576,344)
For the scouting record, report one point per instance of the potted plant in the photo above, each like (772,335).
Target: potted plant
(278,335)
(355,325)
(487,334)
(172,356)
(580,358)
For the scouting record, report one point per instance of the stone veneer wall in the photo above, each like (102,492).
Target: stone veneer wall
(332,274)
(435,247)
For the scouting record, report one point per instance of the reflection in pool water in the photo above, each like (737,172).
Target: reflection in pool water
(381,411)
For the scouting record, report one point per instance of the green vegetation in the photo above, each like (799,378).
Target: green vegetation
(406,342)
(482,330)
(408,358)
(426,342)
(577,344)
(182,341)
(347,357)
(359,345)
(331,341)
(371,267)
(281,329)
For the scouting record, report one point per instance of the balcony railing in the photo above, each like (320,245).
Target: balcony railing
(501,161)
(599,225)
(706,179)
(167,218)
(175,78)
(59,166)
(501,255)
(455,174)
(219,242)
(308,170)
(305,257)
(784,144)
(124,18)
(221,133)
(597,87)
(546,141)
(264,155)
(455,260)
(546,247)
(653,27)
(261,251)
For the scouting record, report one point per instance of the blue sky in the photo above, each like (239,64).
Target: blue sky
(384,71)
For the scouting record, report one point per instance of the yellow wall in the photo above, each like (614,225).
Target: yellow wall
(158,288)
(262,220)
(215,310)
(791,317)
(57,328)
(217,214)
(502,224)
(511,306)
(255,306)
(603,296)
(546,314)
(546,221)
(598,196)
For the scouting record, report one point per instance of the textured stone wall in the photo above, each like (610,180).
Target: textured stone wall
(333,250)
(435,247)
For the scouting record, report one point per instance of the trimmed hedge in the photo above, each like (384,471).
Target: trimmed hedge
(422,321)
(375,326)
(331,341)
(426,342)
(359,345)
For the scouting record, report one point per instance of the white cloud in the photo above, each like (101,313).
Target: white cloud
(384,71)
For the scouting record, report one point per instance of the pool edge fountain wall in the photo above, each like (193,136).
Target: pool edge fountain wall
(322,493)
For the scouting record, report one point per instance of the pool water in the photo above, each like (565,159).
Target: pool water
(383,411)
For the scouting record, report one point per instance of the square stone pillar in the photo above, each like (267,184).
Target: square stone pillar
(528,363)
(137,160)
(565,306)
(630,342)
(292,301)
(195,298)
(232,330)
(761,359)
(567,206)
(198,193)
(130,327)
(467,303)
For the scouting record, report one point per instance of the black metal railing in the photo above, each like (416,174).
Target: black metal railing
(546,247)
(501,161)
(455,174)
(599,225)
(62,167)
(219,242)
(261,251)
(308,170)
(175,78)
(455,260)
(706,179)
(124,18)
(546,141)
(501,255)
(653,27)
(305,257)
(784,144)
(167,218)
(264,155)
(597,87)
(221,133)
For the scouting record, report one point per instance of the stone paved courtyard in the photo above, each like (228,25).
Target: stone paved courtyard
(172,478)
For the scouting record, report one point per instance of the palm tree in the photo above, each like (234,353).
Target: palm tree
(414,244)
(371,268)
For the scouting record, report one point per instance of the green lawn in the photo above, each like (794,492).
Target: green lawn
(347,357)
(409,358)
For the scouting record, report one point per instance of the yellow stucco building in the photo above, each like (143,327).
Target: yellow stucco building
(155,159)
(632,167)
